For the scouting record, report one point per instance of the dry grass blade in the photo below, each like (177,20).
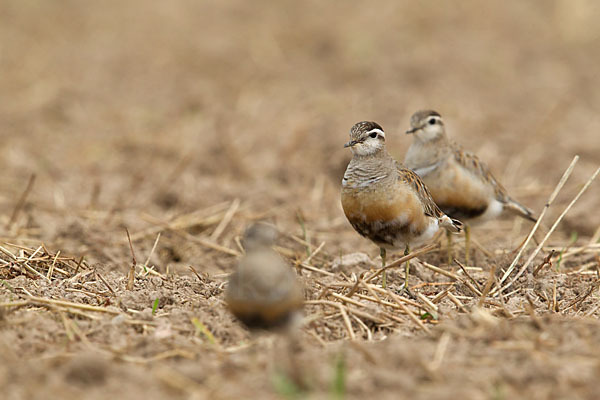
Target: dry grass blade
(404,300)
(557,189)
(314,253)
(354,311)
(51,269)
(379,301)
(20,260)
(235,204)
(315,269)
(441,295)
(34,300)
(347,322)
(195,273)
(347,299)
(364,327)
(105,283)
(78,265)
(401,261)
(21,202)
(488,286)
(464,270)
(208,243)
(449,274)
(546,261)
(412,317)
(200,218)
(558,220)
(428,304)
(579,299)
(131,274)
(530,308)
(134,261)
(457,302)
(151,251)
(179,224)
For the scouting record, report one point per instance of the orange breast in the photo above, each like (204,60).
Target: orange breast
(398,203)
(454,188)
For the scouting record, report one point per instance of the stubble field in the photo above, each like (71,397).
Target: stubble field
(183,122)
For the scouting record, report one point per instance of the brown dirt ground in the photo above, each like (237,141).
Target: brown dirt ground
(193,119)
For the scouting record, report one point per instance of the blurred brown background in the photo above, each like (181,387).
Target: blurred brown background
(167,107)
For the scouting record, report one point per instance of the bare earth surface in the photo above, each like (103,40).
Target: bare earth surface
(185,121)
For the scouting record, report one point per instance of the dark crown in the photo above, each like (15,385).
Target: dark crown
(364,126)
(422,115)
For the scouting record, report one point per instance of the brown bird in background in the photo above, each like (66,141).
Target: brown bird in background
(264,292)
(461,185)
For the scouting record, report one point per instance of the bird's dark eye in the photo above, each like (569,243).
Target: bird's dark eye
(373,135)
(431,121)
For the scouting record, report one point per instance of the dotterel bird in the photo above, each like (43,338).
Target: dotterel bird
(263,292)
(461,184)
(384,201)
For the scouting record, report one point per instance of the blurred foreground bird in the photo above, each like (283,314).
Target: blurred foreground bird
(384,201)
(461,185)
(264,292)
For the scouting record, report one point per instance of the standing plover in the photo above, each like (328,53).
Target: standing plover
(459,182)
(384,201)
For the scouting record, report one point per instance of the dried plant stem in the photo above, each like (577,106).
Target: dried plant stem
(449,274)
(105,283)
(314,253)
(364,326)
(557,189)
(412,317)
(579,299)
(21,202)
(207,243)
(401,261)
(33,300)
(488,286)
(358,313)
(347,322)
(464,270)
(558,220)
(235,204)
(315,269)
(152,251)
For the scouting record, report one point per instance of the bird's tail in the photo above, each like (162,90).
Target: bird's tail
(517,208)
(451,225)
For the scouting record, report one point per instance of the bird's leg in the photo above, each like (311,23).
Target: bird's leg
(467,243)
(449,236)
(406,251)
(382,253)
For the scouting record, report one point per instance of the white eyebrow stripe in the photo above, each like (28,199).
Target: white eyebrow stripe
(376,130)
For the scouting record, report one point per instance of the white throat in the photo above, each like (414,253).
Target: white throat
(370,145)
(428,134)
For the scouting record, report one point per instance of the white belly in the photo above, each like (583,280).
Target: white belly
(428,234)
(493,210)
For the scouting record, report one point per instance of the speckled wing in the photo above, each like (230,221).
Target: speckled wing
(471,163)
(414,181)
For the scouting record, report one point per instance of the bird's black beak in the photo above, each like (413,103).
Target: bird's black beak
(351,143)
(413,130)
